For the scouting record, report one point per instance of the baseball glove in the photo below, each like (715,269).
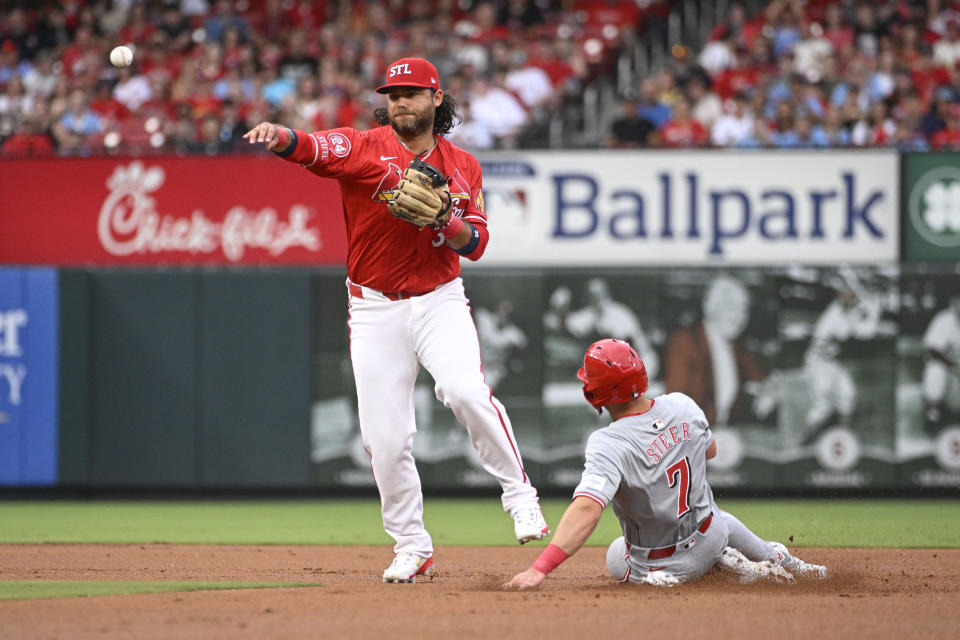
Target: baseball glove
(422,198)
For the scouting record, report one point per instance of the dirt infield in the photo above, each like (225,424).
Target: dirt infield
(872,593)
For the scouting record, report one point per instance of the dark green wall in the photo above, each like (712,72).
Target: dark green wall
(75,375)
(185,378)
(254,379)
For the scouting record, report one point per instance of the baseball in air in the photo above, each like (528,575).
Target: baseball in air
(121,56)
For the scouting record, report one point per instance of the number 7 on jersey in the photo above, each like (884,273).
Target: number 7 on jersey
(679,474)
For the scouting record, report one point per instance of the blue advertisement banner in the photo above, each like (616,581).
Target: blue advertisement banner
(28,376)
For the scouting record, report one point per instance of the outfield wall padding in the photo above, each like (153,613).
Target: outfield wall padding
(145,426)
(254,375)
(193,378)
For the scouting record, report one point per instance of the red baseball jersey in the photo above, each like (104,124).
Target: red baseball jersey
(384,252)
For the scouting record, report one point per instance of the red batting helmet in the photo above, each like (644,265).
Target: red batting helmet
(612,373)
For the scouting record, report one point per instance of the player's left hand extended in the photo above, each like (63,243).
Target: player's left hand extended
(526,580)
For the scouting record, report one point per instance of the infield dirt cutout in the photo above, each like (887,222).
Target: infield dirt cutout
(869,593)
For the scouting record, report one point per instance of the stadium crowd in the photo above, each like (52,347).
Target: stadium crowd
(808,74)
(791,74)
(205,70)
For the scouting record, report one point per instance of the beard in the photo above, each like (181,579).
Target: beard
(421,122)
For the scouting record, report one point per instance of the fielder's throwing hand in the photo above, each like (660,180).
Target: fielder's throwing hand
(266,133)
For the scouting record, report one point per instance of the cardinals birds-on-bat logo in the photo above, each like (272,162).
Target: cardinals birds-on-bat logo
(386,190)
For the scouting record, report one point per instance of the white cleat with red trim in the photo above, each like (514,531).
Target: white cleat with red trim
(407,566)
(529,523)
(796,565)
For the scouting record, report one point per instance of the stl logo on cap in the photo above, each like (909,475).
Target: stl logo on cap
(411,72)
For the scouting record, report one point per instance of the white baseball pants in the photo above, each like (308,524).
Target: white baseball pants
(389,340)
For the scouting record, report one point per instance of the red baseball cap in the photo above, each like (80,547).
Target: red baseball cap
(411,72)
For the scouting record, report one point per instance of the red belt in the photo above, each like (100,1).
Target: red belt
(357,292)
(666,552)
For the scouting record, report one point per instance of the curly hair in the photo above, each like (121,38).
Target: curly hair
(445,118)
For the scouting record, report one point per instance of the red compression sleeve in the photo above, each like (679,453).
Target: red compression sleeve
(550,559)
(283,139)
(453,228)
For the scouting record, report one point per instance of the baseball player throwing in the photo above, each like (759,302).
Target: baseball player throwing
(413,204)
(650,463)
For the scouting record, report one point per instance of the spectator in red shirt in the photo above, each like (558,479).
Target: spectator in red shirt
(203,103)
(159,104)
(309,14)
(681,130)
(72,56)
(156,59)
(837,31)
(544,57)
(908,44)
(926,76)
(138,28)
(949,138)
(741,77)
(271,22)
(106,105)
(602,12)
(28,141)
(739,26)
(234,51)
(482,24)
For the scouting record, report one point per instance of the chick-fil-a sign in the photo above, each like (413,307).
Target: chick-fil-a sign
(226,210)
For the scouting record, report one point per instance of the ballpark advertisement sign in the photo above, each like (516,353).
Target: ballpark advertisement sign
(931,195)
(28,376)
(628,208)
(230,210)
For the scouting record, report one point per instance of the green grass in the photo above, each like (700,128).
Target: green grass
(832,523)
(30,589)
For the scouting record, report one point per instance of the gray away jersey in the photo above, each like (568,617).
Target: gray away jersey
(653,467)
